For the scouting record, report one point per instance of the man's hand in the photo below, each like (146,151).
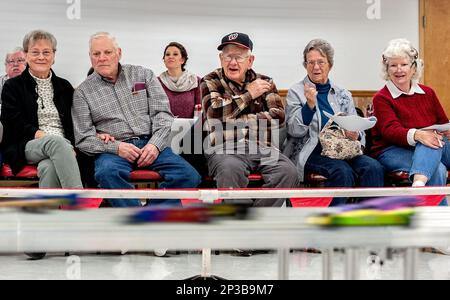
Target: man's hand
(39,134)
(106,137)
(258,88)
(311,95)
(149,154)
(129,152)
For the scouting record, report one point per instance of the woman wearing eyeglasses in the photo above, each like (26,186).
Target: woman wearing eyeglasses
(308,101)
(181,86)
(403,107)
(36,115)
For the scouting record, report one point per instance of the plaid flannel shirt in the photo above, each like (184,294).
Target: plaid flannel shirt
(134,106)
(230,104)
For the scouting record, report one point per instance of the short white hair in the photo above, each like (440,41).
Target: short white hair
(100,35)
(13,51)
(402,48)
(227,47)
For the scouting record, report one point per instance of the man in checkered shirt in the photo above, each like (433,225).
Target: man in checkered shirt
(244,112)
(128,109)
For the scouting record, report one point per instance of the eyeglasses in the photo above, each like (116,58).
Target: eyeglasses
(45,53)
(312,63)
(394,67)
(18,61)
(238,58)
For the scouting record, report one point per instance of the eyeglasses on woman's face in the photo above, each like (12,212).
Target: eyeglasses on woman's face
(45,53)
(313,63)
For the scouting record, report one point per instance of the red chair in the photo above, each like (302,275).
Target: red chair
(402,178)
(398,178)
(26,177)
(313,179)
(29,171)
(145,176)
(253,178)
(29,176)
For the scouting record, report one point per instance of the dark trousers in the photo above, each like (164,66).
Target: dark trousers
(232,170)
(363,171)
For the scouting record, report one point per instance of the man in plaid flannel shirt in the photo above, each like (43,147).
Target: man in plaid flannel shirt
(243,115)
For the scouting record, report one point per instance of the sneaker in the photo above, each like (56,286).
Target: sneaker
(160,252)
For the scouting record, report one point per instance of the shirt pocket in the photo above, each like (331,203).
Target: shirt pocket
(139,102)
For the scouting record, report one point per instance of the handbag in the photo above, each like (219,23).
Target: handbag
(336,145)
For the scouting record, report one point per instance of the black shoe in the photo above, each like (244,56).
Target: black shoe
(264,251)
(36,256)
(309,250)
(242,253)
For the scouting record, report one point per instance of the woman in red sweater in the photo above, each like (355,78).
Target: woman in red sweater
(403,107)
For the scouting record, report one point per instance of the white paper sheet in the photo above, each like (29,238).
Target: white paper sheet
(353,123)
(183,124)
(440,128)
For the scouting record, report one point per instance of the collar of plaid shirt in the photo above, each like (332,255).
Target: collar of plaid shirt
(249,77)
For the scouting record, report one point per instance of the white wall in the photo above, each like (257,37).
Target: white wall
(279,29)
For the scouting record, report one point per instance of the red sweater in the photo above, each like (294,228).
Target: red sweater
(397,116)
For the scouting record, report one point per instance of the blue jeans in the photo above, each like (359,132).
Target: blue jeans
(362,170)
(423,160)
(113,172)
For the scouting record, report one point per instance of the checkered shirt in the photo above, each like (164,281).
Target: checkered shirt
(101,106)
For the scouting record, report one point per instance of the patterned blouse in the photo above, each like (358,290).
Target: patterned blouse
(48,116)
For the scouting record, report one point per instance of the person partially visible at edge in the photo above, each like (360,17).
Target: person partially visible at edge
(236,95)
(15,64)
(128,109)
(403,107)
(307,101)
(36,117)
